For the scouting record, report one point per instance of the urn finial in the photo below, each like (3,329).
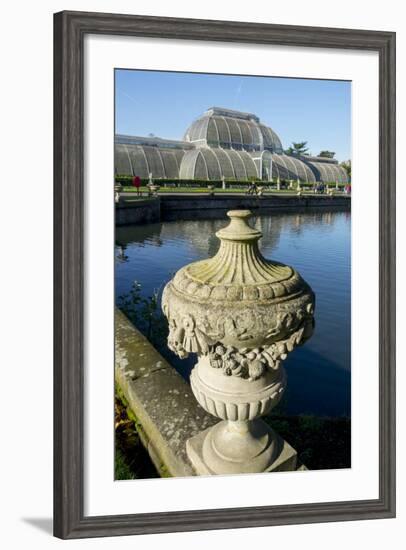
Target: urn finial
(239,229)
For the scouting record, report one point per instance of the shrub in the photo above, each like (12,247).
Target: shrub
(126,180)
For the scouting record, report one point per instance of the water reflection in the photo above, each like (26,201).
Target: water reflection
(316,243)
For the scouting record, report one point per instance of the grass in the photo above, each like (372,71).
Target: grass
(206,191)
(131,460)
(144,198)
(122,469)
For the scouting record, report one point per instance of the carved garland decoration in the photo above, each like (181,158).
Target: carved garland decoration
(188,336)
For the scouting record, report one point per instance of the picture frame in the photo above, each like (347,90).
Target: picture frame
(70,28)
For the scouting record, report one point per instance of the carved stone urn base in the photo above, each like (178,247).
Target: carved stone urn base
(242,442)
(240,447)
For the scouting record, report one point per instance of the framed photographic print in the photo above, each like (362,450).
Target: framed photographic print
(224,274)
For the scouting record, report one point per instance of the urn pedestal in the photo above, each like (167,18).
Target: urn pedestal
(241,314)
(242,442)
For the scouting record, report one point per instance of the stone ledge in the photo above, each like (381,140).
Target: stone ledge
(160,398)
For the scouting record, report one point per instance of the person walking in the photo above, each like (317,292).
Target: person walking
(137,184)
(252,188)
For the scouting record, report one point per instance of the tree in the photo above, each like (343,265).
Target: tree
(327,154)
(347,167)
(298,148)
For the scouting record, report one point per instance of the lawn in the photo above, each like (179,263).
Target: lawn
(206,191)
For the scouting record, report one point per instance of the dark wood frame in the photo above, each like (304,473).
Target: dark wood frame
(69,31)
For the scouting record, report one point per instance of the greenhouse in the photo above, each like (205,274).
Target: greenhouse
(222,143)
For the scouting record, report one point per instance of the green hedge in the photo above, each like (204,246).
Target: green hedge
(127,181)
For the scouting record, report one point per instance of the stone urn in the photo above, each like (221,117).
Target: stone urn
(118,188)
(241,314)
(153,189)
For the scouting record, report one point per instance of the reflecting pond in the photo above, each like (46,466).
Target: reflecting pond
(317,244)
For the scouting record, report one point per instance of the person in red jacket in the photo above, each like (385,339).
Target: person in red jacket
(137,184)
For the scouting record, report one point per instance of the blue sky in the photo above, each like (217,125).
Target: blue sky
(165,103)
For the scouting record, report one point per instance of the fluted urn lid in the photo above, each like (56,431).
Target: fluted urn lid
(238,272)
(238,308)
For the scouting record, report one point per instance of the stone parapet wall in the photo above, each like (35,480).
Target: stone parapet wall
(161,400)
(171,207)
(138,211)
(172,203)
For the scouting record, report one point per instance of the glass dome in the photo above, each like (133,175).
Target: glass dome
(228,129)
